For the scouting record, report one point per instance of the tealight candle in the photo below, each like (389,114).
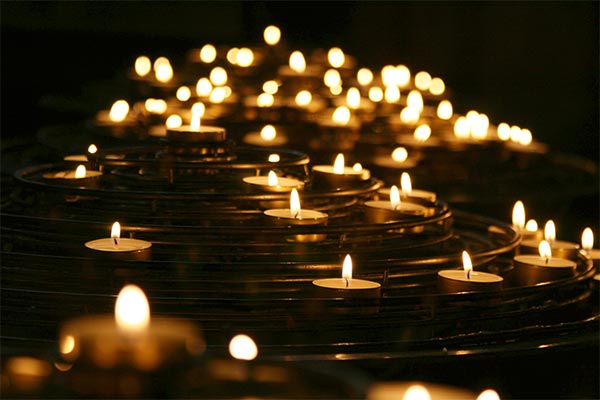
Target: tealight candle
(195,132)
(398,159)
(295,215)
(529,230)
(531,270)
(273,183)
(122,248)
(408,193)
(80,176)
(267,137)
(119,121)
(91,157)
(380,211)
(418,391)
(338,176)
(587,245)
(560,248)
(467,280)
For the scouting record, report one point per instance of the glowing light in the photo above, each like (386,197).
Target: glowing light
(545,249)
(461,128)
(364,76)
(392,94)
(198,110)
(118,111)
(405,184)
(347,268)
(341,115)
(335,90)
(163,70)
(268,133)
(389,76)
(183,93)
(415,100)
(410,115)
(503,131)
(357,167)
(143,65)
(80,172)
(488,394)
(272,179)
(242,347)
(587,239)
(272,35)
(399,154)
(437,86)
(339,164)
(472,117)
(297,62)
(203,87)
(518,214)
(303,98)
(155,106)
(92,149)
(132,311)
(526,137)
(218,76)
(208,53)
(515,133)
(531,226)
(244,57)
(403,75)
(274,158)
(336,57)
(67,344)
(115,231)
(422,132)
(270,87)
(444,110)
(550,231)
(394,198)
(353,98)
(295,209)
(375,94)
(416,392)
(217,95)
(479,126)
(422,80)
(332,78)
(173,121)
(467,264)
(265,100)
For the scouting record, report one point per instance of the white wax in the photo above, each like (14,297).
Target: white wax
(283,184)
(389,162)
(255,139)
(71,175)
(474,277)
(80,158)
(125,245)
(306,217)
(414,194)
(348,171)
(205,133)
(340,283)
(551,262)
(405,207)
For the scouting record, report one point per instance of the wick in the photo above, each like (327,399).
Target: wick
(116,241)
(469,274)
(297,215)
(546,260)
(347,282)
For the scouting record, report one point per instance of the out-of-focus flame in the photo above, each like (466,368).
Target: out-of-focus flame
(416,392)
(402,75)
(332,78)
(242,347)
(183,93)
(303,98)
(422,133)
(410,115)
(155,106)
(244,57)
(132,311)
(375,94)
(218,76)
(232,55)
(479,126)
(203,87)
(341,115)
(437,86)
(357,167)
(297,62)
(415,100)
(274,158)
(444,110)
(268,133)
(163,70)
(80,172)
(118,111)
(336,90)
(67,344)
(208,53)
(526,137)
(488,394)
(406,184)
(272,35)
(518,214)
(143,65)
(545,249)
(461,128)
(389,76)
(265,100)
(422,80)
(467,264)
(392,94)
(503,131)
(364,76)
(394,198)
(399,154)
(531,226)
(336,57)
(270,87)
(198,110)
(92,149)
(353,98)
(174,121)
(550,231)
(272,179)
(339,164)
(587,239)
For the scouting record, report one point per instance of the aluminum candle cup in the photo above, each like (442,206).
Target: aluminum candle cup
(381,212)
(531,270)
(119,248)
(203,134)
(283,185)
(76,177)
(560,249)
(325,177)
(456,281)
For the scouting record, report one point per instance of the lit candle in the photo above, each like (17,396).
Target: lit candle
(418,391)
(295,215)
(397,159)
(467,280)
(273,183)
(122,248)
(587,245)
(529,230)
(531,270)
(380,211)
(560,248)
(80,176)
(338,176)
(346,282)
(267,137)
(91,157)
(195,131)
(118,121)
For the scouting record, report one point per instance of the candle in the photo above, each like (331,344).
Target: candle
(339,176)
(273,183)
(531,270)
(118,121)
(397,159)
(91,157)
(80,176)
(587,245)
(295,215)
(122,248)
(560,248)
(242,347)
(195,132)
(456,281)
(529,230)
(379,211)
(418,391)
(267,137)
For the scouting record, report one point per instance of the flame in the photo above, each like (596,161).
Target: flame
(183,93)
(143,65)
(265,100)
(422,80)
(303,98)
(415,100)
(115,232)
(92,149)
(389,76)
(503,131)
(268,133)
(515,133)
(67,344)
(422,132)
(347,268)
(357,167)
(341,115)
(217,95)
(444,110)
(403,75)
(545,249)
(364,76)
(232,55)
(336,57)
(410,115)
(416,392)
(526,137)
(197,114)
(270,87)
(295,209)
(375,94)
(203,87)
(155,106)
(218,76)
(272,179)
(550,231)
(244,57)
(353,98)
(297,62)
(406,184)
(461,128)
(488,394)
(132,311)
(531,226)
(336,90)
(467,264)
(80,172)
(163,70)
(437,86)
(394,198)
(399,154)
(208,53)
(587,239)
(392,94)
(479,126)
(518,214)
(339,164)
(274,158)
(174,121)
(118,111)
(332,78)
(272,35)
(242,347)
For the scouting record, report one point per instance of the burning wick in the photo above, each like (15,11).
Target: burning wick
(115,233)
(467,264)
(545,250)
(295,209)
(347,270)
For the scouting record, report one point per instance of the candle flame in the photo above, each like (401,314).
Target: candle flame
(303,98)
(341,115)
(353,98)
(132,311)
(270,87)
(115,232)
(545,249)
(410,115)
(462,128)
(375,94)
(272,179)
(67,344)
(357,167)
(394,198)
(297,62)
(422,80)
(143,65)
(467,264)
(268,133)
(265,100)
(587,239)
(80,172)
(208,53)
(92,149)
(550,231)
(118,111)
(515,133)
(416,392)
(518,214)
(155,106)
(163,70)
(531,226)
(218,76)
(244,57)
(197,114)
(437,86)
(526,137)
(422,133)
(274,158)
(406,184)
(503,131)
(488,394)
(399,154)
(336,57)
(479,126)
(389,76)
(402,75)
(183,93)
(295,209)
(174,121)
(332,78)
(347,269)
(364,76)
(391,94)
(232,55)
(242,347)
(339,164)
(415,100)
(444,110)
(203,87)
(272,35)
(336,90)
